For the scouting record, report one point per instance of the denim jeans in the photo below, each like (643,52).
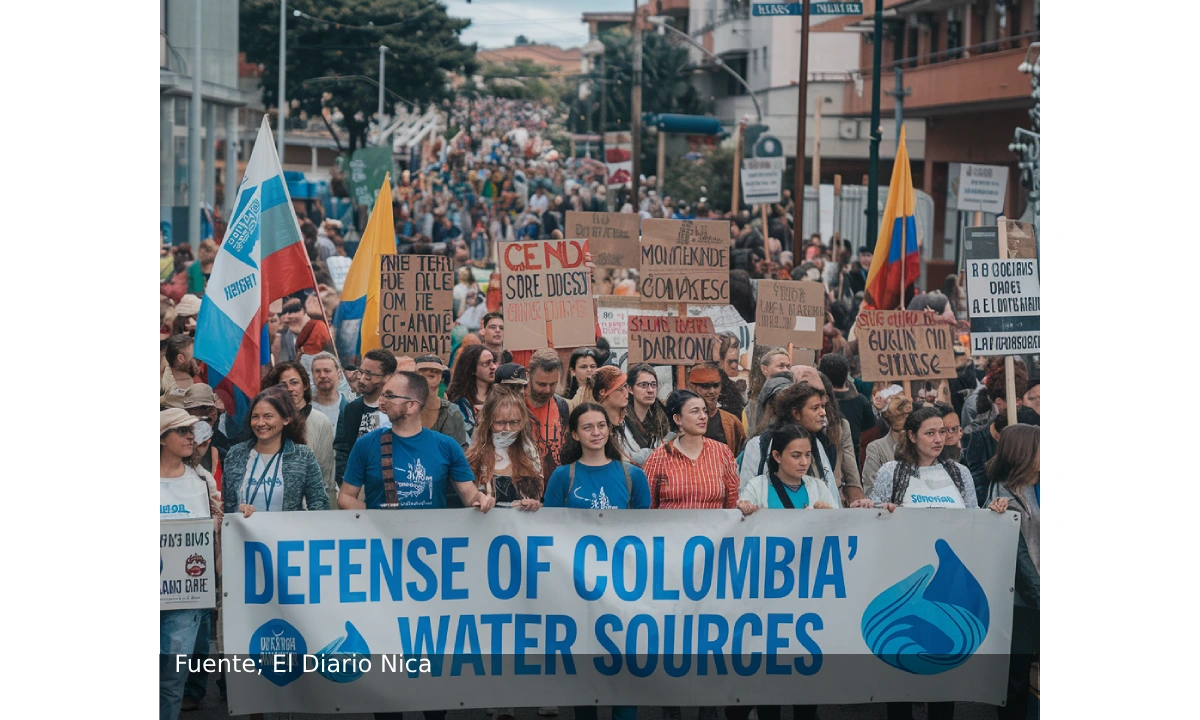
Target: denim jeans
(177,631)
(197,682)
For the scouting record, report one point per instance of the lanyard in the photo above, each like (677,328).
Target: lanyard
(263,479)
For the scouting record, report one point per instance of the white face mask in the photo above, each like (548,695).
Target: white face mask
(504,439)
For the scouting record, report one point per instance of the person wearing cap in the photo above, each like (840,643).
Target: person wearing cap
(318,431)
(547,411)
(185,491)
(723,426)
(438,414)
(406,465)
(201,402)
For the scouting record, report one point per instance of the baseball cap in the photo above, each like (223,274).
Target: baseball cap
(199,395)
(172,418)
(430,362)
(512,374)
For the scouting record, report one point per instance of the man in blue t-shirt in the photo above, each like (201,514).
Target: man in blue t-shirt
(422,461)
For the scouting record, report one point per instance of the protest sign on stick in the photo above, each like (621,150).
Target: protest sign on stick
(790,312)
(899,345)
(612,237)
(546,288)
(416,304)
(671,340)
(685,261)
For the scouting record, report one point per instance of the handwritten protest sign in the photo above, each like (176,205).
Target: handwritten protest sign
(612,314)
(544,283)
(1004,300)
(612,237)
(685,261)
(416,304)
(902,345)
(671,340)
(790,312)
(187,569)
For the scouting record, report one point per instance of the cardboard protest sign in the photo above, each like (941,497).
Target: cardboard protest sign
(685,261)
(899,345)
(416,304)
(790,311)
(612,237)
(612,314)
(186,556)
(1022,241)
(671,340)
(544,282)
(1004,303)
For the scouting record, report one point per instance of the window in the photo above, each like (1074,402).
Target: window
(182,105)
(754,54)
(738,65)
(764,57)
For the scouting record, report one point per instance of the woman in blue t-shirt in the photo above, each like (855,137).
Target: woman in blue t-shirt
(592,474)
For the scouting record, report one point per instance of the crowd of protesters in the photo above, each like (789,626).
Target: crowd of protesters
(578,428)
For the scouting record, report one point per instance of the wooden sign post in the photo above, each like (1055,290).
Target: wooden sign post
(1010,381)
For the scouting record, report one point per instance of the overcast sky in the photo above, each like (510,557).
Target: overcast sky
(496,23)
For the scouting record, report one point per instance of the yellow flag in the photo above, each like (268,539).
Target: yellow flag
(361,289)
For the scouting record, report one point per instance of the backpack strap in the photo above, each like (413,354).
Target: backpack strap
(385,461)
(628,480)
(763,444)
(570,484)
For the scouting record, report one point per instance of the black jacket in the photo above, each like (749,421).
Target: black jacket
(857,410)
(347,433)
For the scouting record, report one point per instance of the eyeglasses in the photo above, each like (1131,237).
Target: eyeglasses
(954,430)
(390,398)
(183,430)
(370,374)
(502,424)
(647,386)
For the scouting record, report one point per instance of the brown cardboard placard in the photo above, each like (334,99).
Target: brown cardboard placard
(416,304)
(1022,241)
(544,282)
(685,261)
(900,345)
(790,311)
(671,340)
(612,237)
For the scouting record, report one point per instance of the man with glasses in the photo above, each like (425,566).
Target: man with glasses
(723,426)
(363,415)
(406,465)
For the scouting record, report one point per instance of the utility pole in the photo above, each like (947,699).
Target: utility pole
(194,179)
(876,135)
(282,104)
(899,93)
(636,121)
(382,54)
(801,116)
(816,172)
(603,125)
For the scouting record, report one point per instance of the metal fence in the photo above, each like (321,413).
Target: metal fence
(850,216)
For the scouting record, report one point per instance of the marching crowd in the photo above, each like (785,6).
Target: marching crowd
(579,429)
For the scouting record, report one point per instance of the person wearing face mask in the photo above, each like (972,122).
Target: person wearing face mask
(646,424)
(504,456)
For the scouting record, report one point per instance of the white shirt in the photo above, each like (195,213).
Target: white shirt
(183,497)
(932,487)
(263,484)
(330,411)
(539,204)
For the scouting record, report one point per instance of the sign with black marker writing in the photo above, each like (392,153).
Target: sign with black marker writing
(1004,303)
(685,261)
(899,345)
(545,283)
(416,304)
(612,237)
(671,340)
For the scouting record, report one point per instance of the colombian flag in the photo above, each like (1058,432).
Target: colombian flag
(897,229)
(261,259)
(360,292)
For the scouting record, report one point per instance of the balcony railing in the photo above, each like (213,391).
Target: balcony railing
(728,15)
(958,53)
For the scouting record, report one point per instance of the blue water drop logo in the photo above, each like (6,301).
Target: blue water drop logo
(352,645)
(929,622)
(278,637)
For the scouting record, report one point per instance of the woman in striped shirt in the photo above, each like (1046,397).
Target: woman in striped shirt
(691,472)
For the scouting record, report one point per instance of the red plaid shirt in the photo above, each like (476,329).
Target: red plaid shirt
(679,483)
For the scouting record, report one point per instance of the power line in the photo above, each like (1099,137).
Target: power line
(369,25)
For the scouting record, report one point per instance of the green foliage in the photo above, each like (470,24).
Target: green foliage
(711,176)
(422,51)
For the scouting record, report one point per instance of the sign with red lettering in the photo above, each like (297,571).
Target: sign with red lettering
(546,285)
(899,345)
(612,237)
(416,304)
(685,261)
(790,311)
(671,340)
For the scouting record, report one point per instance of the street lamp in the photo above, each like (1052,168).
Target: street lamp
(664,22)
(595,49)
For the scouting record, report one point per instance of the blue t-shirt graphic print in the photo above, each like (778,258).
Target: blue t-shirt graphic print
(421,467)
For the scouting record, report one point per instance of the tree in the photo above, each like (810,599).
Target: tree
(522,40)
(423,43)
(710,176)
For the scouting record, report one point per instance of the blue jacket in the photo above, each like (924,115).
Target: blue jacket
(301,477)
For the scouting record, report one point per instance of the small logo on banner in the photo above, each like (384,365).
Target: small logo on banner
(931,621)
(195,565)
(345,669)
(278,637)
(243,233)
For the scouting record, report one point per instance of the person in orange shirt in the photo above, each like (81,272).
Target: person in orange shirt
(312,336)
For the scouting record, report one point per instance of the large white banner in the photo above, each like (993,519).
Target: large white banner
(360,611)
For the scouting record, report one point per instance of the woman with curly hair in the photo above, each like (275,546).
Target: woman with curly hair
(504,457)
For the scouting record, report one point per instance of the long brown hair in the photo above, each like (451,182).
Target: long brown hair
(482,454)
(278,398)
(462,379)
(1015,464)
